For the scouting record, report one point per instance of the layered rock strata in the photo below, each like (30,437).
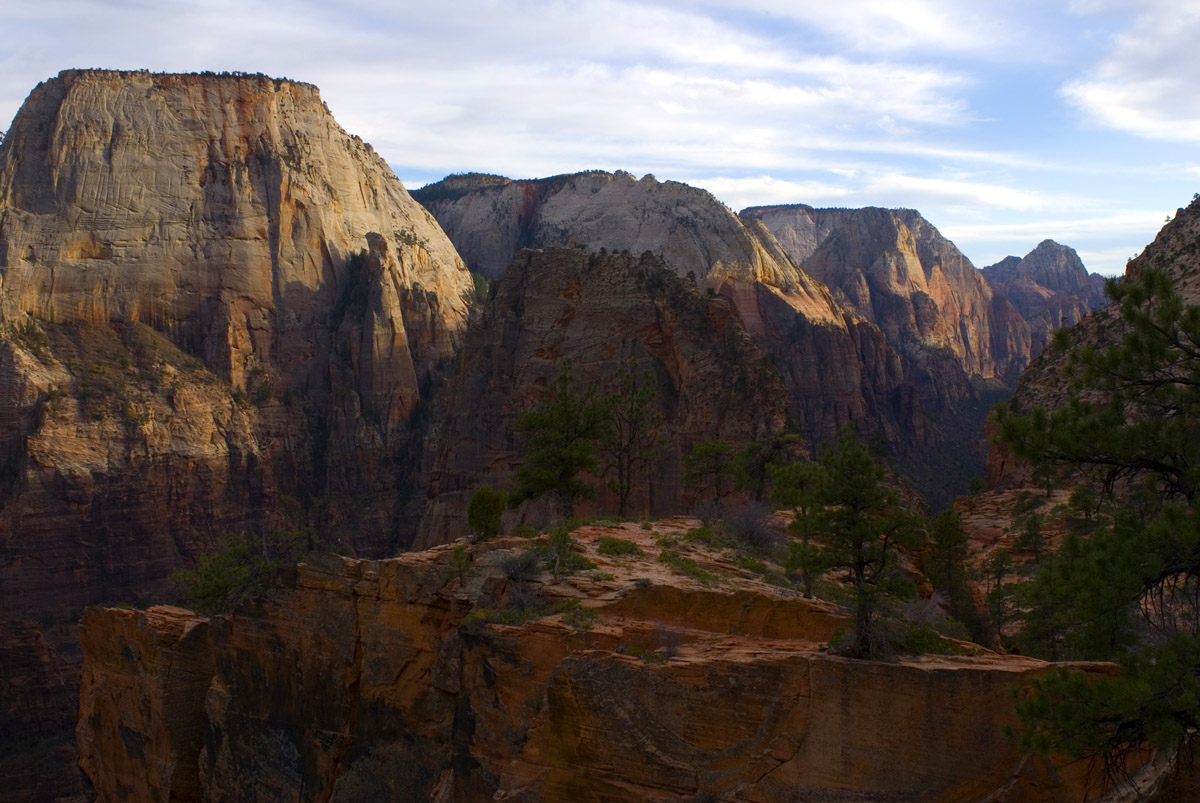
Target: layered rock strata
(382,678)
(896,270)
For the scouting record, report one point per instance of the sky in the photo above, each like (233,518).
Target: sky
(1004,123)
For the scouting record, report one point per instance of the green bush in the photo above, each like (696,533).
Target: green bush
(617,546)
(575,615)
(648,656)
(219,582)
(484,511)
(561,554)
(681,564)
(711,537)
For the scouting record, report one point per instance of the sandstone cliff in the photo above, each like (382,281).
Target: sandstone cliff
(838,365)
(1049,287)
(895,269)
(218,314)
(382,679)
(490,218)
(712,380)
(220,209)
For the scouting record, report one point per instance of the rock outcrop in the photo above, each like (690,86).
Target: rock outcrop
(219,313)
(383,679)
(1049,287)
(490,218)
(39,688)
(221,209)
(896,270)
(597,311)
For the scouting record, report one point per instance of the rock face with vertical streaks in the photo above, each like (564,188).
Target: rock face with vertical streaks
(898,364)
(219,313)
(597,311)
(896,270)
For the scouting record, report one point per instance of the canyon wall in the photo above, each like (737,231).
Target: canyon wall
(381,678)
(1049,287)
(839,365)
(711,380)
(219,315)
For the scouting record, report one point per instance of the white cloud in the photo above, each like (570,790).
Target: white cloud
(1146,84)
(885,26)
(1064,230)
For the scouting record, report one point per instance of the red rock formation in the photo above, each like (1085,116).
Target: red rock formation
(838,365)
(144,685)
(37,761)
(369,678)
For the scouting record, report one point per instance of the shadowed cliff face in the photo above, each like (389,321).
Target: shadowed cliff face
(597,311)
(366,679)
(899,369)
(219,314)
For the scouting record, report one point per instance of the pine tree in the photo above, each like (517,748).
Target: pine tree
(710,465)
(485,510)
(1126,584)
(635,423)
(800,486)
(755,460)
(564,430)
(864,524)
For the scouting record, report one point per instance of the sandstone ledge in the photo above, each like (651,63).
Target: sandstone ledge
(363,675)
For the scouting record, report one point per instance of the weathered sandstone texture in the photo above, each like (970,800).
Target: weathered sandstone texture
(490,218)
(597,311)
(222,210)
(1049,287)
(219,314)
(896,270)
(369,679)
(38,690)
(159,665)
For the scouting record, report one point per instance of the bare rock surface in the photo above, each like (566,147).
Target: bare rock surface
(840,364)
(223,209)
(490,218)
(895,269)
(1049,287)
(383,677)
